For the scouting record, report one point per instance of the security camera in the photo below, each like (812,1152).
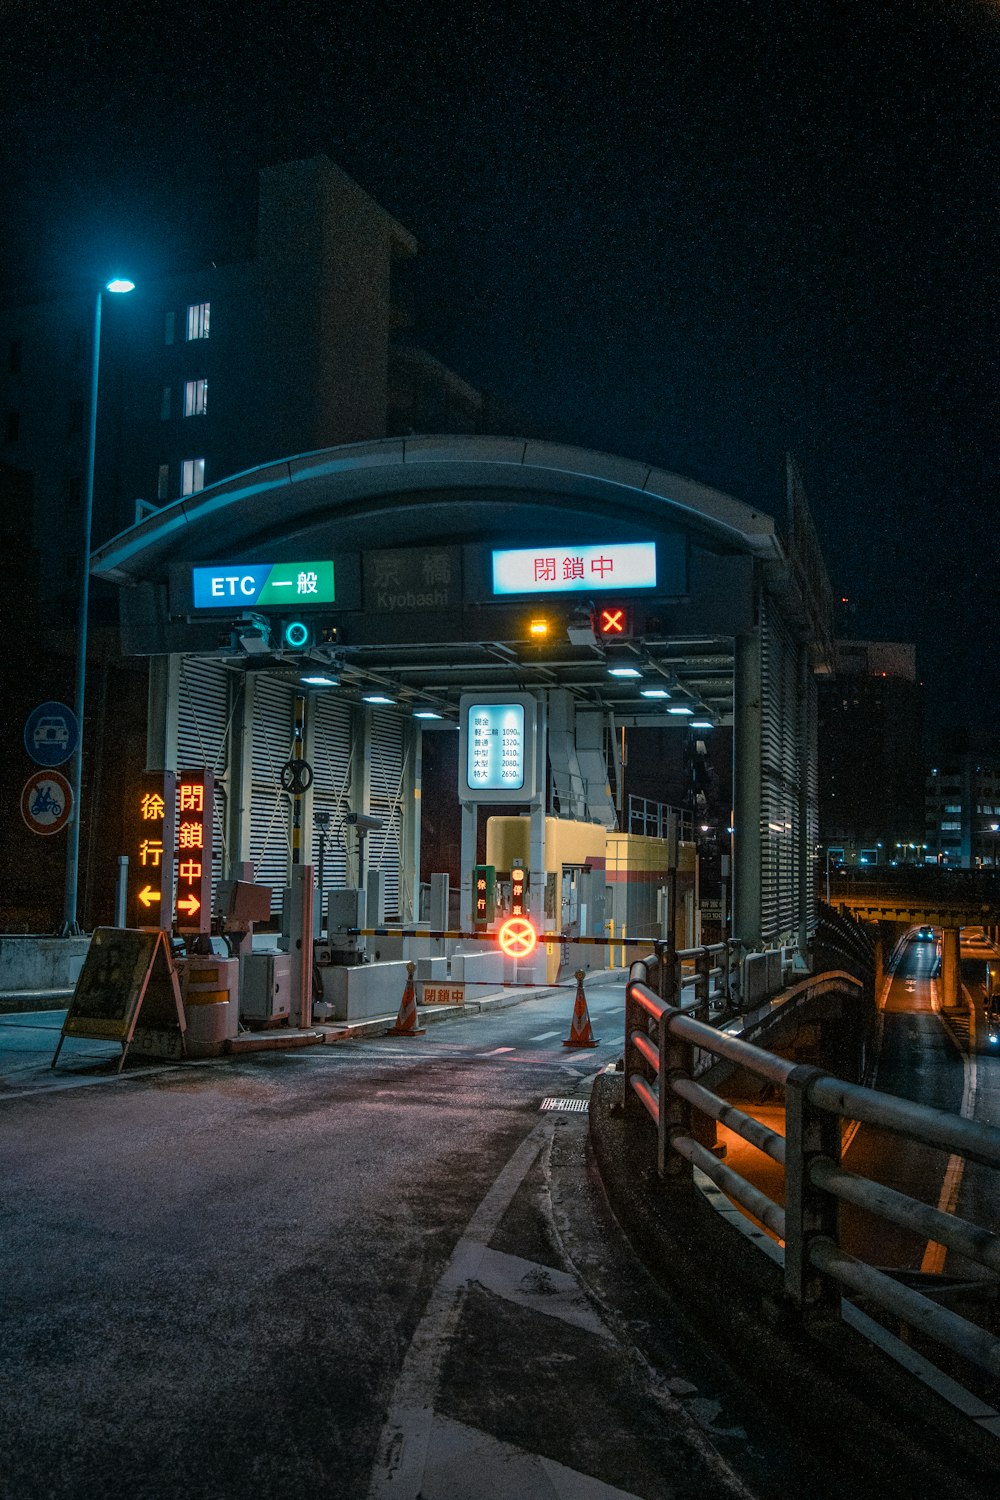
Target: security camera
(363,821)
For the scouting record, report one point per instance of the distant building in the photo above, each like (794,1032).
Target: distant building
(870,755)
(963,806)
(203,375)
(215,371)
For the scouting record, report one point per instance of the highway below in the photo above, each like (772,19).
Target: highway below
(918,1059)
(376,1268)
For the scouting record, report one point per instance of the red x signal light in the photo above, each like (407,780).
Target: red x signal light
(614,621)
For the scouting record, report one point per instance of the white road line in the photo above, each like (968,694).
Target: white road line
(935,1255)
(543,1036)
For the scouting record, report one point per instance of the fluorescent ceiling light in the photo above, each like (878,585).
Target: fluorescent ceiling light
(321,681)
(624,672)
(377,698)
(426,713)
(680,708)
(654,693)
(702,724)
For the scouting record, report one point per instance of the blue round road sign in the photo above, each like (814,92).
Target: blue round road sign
(50,734)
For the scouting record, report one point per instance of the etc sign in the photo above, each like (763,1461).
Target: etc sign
(262,585)
(496,747)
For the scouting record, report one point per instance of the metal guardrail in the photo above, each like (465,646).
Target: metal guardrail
(661,1038)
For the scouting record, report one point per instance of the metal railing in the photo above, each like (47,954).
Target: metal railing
(661,1042)
(653,818)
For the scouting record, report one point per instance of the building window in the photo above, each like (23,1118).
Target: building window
(14,357)
(163,482)
(197,320)
(192,476)
(13,426)
(951,826)
(195,398)
(168,327)
(165,404)
(953,807)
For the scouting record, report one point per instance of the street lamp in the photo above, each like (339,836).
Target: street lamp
(70,926)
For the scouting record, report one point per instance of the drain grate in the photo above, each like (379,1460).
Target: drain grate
(571,1106)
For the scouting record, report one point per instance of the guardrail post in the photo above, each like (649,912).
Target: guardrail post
(702,982)
(676,1061)
(810,1213)
(635,1020)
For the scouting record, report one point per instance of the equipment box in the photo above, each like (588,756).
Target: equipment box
(266,986)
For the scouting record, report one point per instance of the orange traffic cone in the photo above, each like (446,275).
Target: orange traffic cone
(406,1021)
(580,1032)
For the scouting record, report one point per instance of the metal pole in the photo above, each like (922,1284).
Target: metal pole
(70,927)
(121,891)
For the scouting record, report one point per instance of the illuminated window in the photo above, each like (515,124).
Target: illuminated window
(955,826)
(163,482)
(954,807)
(195,398)
(197,320)
(192,476)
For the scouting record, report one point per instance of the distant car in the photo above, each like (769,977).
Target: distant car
(925,934)
(51,731)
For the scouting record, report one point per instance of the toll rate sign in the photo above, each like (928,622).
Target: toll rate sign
(151,821)
(195,839)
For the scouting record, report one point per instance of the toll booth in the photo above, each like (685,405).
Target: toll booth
(319,612)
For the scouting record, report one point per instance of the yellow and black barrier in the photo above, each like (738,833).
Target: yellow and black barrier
(491,937)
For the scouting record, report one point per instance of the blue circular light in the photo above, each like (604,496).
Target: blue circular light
(296,634)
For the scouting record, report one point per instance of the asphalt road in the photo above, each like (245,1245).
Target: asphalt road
(377,1268)
(918,1059)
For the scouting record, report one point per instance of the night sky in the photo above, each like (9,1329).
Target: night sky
(694,233)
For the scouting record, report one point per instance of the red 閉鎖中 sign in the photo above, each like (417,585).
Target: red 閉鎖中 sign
(195,826)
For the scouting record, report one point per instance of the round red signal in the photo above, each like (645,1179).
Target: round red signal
(517,937)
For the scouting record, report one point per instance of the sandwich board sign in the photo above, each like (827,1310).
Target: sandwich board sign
(128,974)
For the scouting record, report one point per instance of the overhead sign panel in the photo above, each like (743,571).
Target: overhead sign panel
(561,570)
(497,747)
(262,585)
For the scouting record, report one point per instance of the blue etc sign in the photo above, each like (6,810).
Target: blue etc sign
(50,734)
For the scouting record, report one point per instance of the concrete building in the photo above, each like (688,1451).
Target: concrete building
(203,375)
(963,806)
(871,765)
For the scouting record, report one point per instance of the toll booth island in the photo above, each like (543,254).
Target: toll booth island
(316,626)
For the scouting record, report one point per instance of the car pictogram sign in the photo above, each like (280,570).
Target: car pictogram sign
(517,937)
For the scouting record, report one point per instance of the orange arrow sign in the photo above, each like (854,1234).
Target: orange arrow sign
(148,895)
(191,905)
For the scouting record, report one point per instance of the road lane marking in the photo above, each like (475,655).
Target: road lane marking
(543,1036)
(935,1255)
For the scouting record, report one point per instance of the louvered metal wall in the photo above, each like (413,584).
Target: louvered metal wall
(337,754)
(784,764)
(386,783)
(270,807)
(205,699)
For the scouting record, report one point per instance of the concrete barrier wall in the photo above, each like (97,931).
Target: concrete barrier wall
(41,963)
(366,990)
(480,969)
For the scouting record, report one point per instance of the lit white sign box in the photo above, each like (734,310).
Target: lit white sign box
(561,570)
(496,747)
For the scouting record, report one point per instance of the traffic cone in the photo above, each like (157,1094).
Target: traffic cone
(580,1032)
(406,1021)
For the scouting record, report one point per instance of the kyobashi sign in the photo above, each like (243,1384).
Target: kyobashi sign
(561,570)
(262,585)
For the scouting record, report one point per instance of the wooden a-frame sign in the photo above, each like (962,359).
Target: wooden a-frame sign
(128,971)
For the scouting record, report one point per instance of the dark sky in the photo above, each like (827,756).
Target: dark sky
(695,233)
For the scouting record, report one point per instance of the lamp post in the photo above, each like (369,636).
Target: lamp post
(70,926)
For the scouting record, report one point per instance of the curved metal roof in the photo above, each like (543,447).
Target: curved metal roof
(424,487)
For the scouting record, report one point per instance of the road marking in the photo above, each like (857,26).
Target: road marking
(935,1255)
(543,1036)
(416,1458)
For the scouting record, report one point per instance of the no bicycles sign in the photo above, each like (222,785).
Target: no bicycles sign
(46,802)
